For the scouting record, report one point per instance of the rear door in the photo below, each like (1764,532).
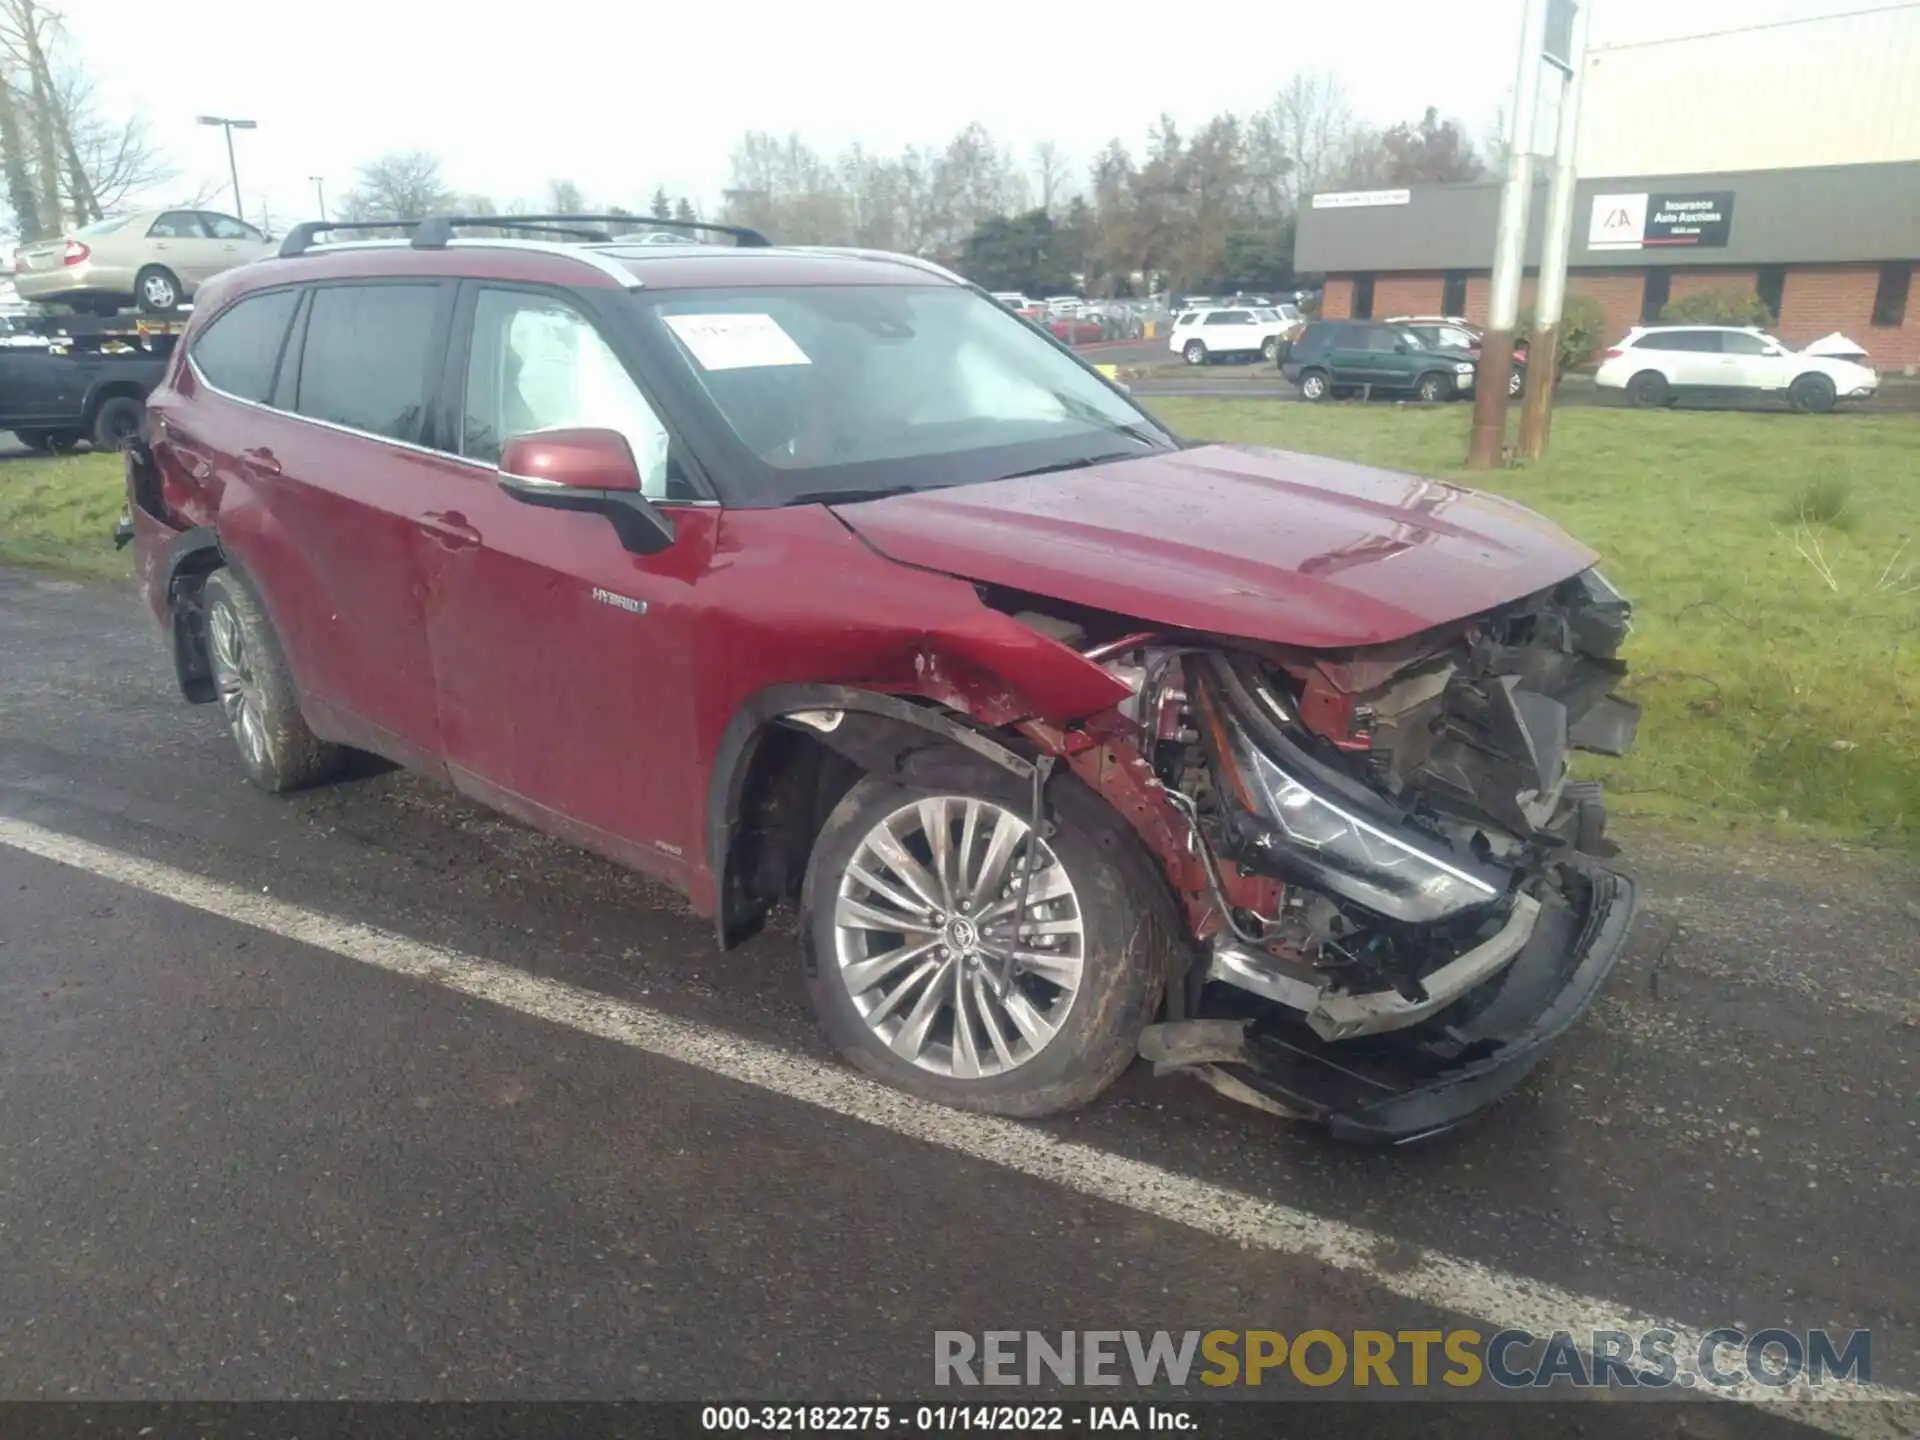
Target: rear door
(1695,360)
(565,679)
(336,483)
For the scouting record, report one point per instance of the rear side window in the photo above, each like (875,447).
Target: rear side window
(237,352)
(1234,317)
(1738,342)
(368,352)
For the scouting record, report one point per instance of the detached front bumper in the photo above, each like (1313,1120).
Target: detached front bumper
(1408,1085)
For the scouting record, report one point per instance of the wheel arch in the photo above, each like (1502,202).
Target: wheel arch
(182,573)
(103,392)
(806,745)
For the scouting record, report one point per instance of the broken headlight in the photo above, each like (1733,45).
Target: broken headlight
(1348,855)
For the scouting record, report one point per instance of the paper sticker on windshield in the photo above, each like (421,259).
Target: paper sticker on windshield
(736,342)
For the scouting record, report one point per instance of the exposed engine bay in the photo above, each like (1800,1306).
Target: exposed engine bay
(1398,896)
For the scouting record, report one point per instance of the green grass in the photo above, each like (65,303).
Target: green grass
(59,511)
(1774,566)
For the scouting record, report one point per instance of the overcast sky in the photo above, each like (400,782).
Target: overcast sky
(622,97)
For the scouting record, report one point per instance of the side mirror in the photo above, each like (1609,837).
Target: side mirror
(589,470)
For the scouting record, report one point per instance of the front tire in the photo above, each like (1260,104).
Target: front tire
(255,688)
(1812,394)
(1433,388)
(1315,385)
(1195,352)
(914,966)
(1516,382)
(156,290)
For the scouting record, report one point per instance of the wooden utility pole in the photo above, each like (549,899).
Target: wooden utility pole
(1543,363)
(1509,252)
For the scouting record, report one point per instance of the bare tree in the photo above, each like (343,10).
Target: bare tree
(1052,174)
(398,186)
(1313,124)
(564,198)
(63,156)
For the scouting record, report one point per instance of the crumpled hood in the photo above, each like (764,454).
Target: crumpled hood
(1260,544)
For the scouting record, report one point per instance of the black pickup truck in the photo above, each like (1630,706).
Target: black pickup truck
(75,378)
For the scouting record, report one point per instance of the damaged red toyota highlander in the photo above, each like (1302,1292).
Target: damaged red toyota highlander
(814,576)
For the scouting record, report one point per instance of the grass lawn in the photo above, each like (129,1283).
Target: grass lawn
(59,510)
(1772,691)
(1772,694)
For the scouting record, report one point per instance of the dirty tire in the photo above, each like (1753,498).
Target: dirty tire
(156,290)
(277,750)
(1812,394)
(1433,388)
(1648,390)
(118,422)
(1195,352)
(1130,949)
(1315,385)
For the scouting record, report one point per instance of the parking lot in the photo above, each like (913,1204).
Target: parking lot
(367,1092)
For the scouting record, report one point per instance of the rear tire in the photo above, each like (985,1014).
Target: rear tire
(1315,385)
(1516,382)
(1195,352)
(1270,349)
(118,422)
(1107,934)
(1648,390)
(1433,388)
(255,690)
(156,290)
(1812,394)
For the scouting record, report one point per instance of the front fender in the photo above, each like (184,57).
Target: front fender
(903,726)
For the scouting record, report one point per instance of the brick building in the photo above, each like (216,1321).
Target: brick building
(1827,247)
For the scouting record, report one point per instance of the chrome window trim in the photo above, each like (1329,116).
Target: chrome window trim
(359,434)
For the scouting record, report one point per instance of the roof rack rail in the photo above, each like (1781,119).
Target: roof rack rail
(301,237)
(435,231)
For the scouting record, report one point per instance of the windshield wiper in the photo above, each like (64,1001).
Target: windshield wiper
(1080,464)
(1094,416)
(850,497)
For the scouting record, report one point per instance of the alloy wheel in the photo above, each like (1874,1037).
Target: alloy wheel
(930,946)
(234,680)
(158,292)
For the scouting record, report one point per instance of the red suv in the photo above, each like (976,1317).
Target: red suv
(814,576)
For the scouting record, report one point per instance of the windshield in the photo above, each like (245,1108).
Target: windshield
(848,389)
(1264,315)
(1289,312)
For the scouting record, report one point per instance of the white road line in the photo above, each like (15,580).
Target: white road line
(1436,1279)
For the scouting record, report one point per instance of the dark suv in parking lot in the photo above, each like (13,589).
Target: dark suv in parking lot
(1335,357)
(815,577)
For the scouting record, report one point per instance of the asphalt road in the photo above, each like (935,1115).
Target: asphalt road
(552,1145)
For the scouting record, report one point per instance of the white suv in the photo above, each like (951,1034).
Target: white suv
(1202,335)
(1656,364)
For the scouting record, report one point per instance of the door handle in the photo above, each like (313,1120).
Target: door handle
(450,528)
(262,459)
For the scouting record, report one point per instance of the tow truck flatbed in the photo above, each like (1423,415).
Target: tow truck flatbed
(68,378)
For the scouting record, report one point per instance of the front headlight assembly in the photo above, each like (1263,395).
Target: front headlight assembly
(1349,855)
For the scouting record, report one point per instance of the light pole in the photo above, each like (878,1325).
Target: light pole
(320,193)
(233,166)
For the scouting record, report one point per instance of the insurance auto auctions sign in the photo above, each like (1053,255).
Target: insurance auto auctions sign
(1635,222)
